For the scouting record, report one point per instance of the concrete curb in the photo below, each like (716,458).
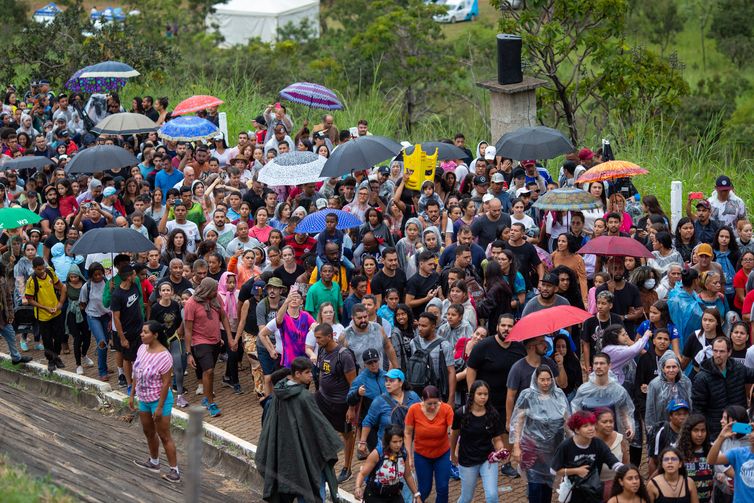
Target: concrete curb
(233,454)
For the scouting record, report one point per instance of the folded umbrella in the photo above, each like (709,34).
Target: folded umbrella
(188,128)
(311,224)
(25,162)
(111,240)
(547,321)
(567,199)
(362,153)
(13,218)
(537,142)
(100,158)
(126,124)
(293,168)
(615,246)
(196,104)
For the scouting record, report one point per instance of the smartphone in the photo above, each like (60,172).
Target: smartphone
(742,428)
(696,195)
(354,132)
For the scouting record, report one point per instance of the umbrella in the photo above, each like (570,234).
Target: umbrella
(189,128)
(611,170)
(111,240)
(362,153)
(567,199)
(312,95)
(114,69)
(445,151)
(100,158)
(546,322)
(315,222)
(125,123)
(196,103)
(615,246)
(13,218)
(537,142)
(25,162)
(293,168)
(93,85)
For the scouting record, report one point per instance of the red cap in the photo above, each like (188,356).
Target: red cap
(528,162)
(585,154)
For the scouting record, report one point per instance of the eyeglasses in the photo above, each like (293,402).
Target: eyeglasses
(669,459)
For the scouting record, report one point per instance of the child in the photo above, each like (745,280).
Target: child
(600,279)
(228,296)
(67,201)
(659,317)
(137,223)
(667,433)
(628,486)
(693,442)
(408,245)
(168,312)
(428,194)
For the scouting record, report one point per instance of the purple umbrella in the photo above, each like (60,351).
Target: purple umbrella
(312,95)
(91,85)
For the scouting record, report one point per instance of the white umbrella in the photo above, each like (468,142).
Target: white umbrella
(293,168)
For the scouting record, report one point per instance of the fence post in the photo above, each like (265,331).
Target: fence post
(222,120)
(676,203)
(193,482)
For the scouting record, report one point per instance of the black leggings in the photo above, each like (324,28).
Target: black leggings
(82,337)
(234,360)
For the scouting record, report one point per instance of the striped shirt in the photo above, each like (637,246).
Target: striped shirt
(148,371)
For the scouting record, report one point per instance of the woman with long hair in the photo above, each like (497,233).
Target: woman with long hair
(403,333)
(175,247)
(58,235)
(646,280)
(597,190)
(242,264)
(685,238)
(536,430)
(727,255)
(261,229)
(513,277)
(282,214)
(698,346)
(672,484)
(167,311)
(567,246)
(130,194)
(723,484)
(616,203)
(615,441)
(740,340)
(651,207)
(628,486)
(497,298)
(562,349)
(711,294)
(326,314)
(694,445)
(664,254)
(568,285)
(659,317)
(458,293)
(480,429)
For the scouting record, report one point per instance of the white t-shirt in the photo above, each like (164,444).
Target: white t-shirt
(526,220)
(191,230)
(272,326)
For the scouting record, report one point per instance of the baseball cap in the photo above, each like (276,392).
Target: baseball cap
(275,282)
(523,190)
(481,180)
(705,203)
(586,154)
(383,170)
(487,197)
(489,153)
(528,162)
(551,279)
(723,183)
(498,178)
(396,374)
(109,191)
(677,404)
(321,204)
(705,249)
(370,355)
(259,119)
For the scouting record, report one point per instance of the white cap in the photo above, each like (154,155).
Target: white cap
(489,153)
(487,198)
(498,178)
(521,191)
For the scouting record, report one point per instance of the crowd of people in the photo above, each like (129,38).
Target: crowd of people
(390,340)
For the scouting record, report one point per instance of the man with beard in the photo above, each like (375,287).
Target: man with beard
(626,299)
(363,334)
(547,297)
(51,210)
(390,276)
(325,290)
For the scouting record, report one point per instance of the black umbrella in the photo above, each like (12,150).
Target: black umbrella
(538,142)
(111,240)
(358,154)
(100,158)
(445,151)
(25,162)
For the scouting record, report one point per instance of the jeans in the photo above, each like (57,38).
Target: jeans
(82,338)
(469,474)
(440,468)
(234,359)
(178,350)
(100,327)
(539,493)
(10,337)
(52,332)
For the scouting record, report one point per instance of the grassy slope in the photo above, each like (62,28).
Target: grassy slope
(17,486)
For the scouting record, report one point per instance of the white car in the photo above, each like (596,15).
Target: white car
(458,10)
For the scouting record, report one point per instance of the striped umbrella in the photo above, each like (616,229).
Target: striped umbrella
(312,95)
(189,128)
(611,170)
(567,199)
(315,222)
(196,104)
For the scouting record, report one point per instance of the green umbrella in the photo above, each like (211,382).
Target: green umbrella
(13,218)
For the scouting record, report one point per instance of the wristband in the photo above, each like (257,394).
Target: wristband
(417,495)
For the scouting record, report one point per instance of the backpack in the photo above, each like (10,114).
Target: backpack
(378,486)
(419,370)
(398,411)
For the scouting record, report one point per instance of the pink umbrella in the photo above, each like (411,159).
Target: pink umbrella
(615,246)
(196,103)
(546,322)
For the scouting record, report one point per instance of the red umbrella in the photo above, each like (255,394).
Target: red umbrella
(546,322)
(615,246)
(196,103)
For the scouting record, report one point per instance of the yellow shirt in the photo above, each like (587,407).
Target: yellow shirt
(46,295)
(339,277)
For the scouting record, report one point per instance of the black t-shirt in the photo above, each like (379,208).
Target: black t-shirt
(693,346)
(593,329)
(487,231)
(178,288)
(492,363)
(288,278)
(333,367)
(662,437)
(475,442)
(570,455)
(382,282)
(127,303)
(419,287)
(527,261)
(170,316)
(52,241)
(623,299)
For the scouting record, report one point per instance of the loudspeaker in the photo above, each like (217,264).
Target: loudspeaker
(509,59)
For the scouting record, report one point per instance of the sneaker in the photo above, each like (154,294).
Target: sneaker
(172,476)
(122,381)
(185,373)
(87,362)
(509,471)
(226,382)
(59,363)
(24,346)
(80,370)
(39,347)
(237,389)
(23,359)
(214,410)
(51,367)
(148,465)
(454,473)
(205,403)
(344,475)
(200,389)
(181,402)
(223,357)
(128,390)
(104,378)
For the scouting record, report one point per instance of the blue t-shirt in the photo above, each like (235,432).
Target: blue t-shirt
(741,460)
(166,182)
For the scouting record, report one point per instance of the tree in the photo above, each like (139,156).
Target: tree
(662,20)
(732,30)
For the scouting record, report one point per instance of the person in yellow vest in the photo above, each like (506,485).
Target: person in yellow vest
(46,293)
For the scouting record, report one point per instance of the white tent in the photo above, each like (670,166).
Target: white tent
(240,20)
(47,13)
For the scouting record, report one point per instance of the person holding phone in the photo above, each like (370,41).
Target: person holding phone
(740,459)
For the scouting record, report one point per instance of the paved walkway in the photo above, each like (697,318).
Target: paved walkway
(241,416)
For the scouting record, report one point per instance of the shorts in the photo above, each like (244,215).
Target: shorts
(150,407)
(334,412)
(265,360)
(134,341)
(205,356)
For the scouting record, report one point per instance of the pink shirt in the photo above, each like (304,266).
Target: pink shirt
(206,330)
(148,371)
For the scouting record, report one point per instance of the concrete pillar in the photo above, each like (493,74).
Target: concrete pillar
(512,106)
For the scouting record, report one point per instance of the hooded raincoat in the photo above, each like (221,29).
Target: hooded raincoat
(407,249)
(591,396)
(661,391)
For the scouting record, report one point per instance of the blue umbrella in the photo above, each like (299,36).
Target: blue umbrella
(114,69)
(187,128)
(315,222)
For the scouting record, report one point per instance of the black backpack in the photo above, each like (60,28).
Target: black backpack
(419,370)
(398,411)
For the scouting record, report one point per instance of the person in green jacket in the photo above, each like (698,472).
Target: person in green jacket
(325,290)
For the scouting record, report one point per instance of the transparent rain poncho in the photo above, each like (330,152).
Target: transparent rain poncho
(661,391)
(538,424)
(591,396)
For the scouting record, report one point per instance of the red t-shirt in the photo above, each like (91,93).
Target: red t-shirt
(739,281)
(68,206)
(748,302)
(299,250)
(206,330)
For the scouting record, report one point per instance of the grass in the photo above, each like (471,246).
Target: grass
(17,486)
